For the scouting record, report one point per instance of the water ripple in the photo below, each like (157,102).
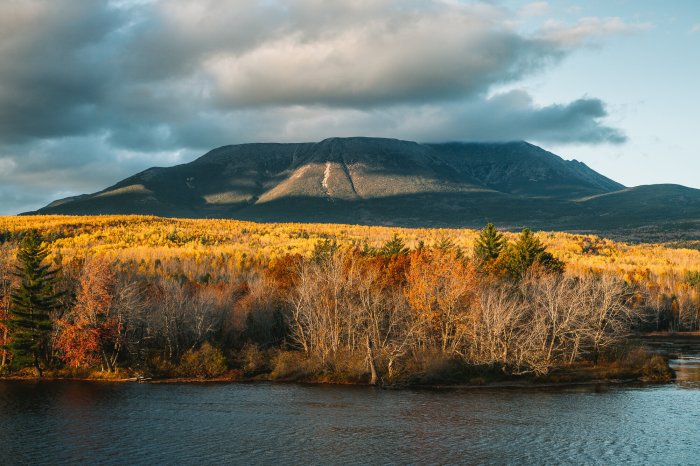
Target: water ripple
(82,423)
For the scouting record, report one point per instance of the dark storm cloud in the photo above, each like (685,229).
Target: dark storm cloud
(35,173)
(506,116)
(91,91)
(513,116)
(56,68)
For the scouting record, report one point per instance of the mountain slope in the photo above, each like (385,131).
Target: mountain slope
(524,169)
(388,181)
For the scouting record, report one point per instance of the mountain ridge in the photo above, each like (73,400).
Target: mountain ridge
(390,182)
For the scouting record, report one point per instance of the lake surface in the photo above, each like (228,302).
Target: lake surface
(80,422)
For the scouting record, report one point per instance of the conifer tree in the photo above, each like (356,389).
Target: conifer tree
(324,250)
(444,244)
(528,250)
(489,244)
(367,250)
(31,302)
(394,247)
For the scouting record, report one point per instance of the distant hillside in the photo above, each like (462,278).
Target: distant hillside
(391,182)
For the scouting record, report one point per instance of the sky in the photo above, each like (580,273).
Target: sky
(94,91)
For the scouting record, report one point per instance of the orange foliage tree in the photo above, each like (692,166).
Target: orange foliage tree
(87,329)
(442,290)
(5,286)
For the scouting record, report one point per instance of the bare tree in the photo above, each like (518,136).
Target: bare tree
(205,315)
(382,315)
(499,327)
(129,307)
(609,316)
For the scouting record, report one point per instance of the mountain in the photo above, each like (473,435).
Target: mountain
(392,182)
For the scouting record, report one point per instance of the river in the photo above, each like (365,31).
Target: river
(107,423)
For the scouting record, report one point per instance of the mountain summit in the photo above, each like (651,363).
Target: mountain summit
(389,181)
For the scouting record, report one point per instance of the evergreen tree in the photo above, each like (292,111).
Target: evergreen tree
(367,250)
(525,252)
(324,250)
(394,247)
(444,244)
(31,302)
(489,244)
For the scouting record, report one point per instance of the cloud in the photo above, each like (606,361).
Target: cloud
(415,57)
(50,81)
(505,116)
(589,29)
(695,28)
(33,174)
(514,116)
(94,91)
(534,9)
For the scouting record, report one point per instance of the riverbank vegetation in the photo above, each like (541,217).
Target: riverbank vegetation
(127,296)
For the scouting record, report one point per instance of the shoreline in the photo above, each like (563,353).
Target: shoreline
(503,384)
(580,375)
(597,385)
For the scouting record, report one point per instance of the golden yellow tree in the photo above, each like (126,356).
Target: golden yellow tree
(442,290)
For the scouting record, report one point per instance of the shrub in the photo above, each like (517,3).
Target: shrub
(656,370)
(207,362)
(74,372)
(118,373)
(159,366)
(436,368)
(294,365)
(253,360)
(346,366)
(632,357)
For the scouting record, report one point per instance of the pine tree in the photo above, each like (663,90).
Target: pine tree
(444,244)
(31,302)
(528,250)
(367,250)
(324,250)
(489,244)
(394,247)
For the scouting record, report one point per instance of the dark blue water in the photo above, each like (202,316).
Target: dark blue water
(73,422)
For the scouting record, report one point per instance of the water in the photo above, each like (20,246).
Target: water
(684,358)
(79,422)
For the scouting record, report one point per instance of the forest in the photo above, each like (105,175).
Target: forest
(131,296)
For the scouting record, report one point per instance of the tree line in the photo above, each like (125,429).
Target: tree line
(359,312)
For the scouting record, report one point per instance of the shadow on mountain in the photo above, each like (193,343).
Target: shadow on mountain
(376,181)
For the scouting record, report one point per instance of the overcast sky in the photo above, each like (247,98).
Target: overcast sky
(93,91)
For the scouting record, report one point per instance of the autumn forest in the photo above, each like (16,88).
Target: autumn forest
(147,297)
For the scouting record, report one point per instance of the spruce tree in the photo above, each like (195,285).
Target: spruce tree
(394,247)
(32,302)
(489,244)
(444,244)
(367,250)
(324,250)
(528,250)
